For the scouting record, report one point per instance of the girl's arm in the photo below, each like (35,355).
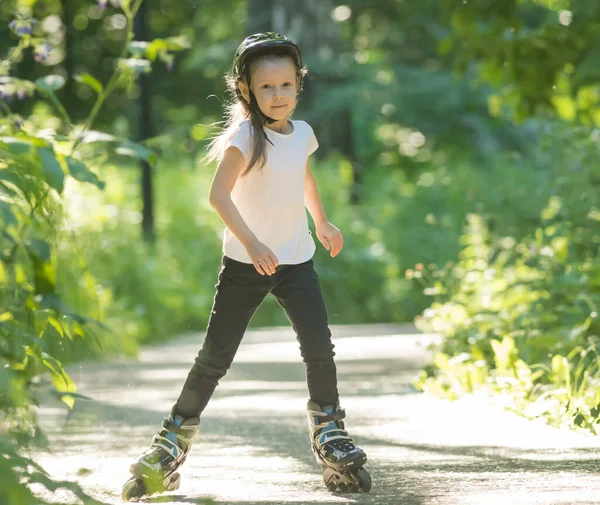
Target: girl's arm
(220,199)
(327,233)
(312,200)
(220,195)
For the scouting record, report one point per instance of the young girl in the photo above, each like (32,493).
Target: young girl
(261,189)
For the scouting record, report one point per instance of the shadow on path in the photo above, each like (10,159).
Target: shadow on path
(253,446)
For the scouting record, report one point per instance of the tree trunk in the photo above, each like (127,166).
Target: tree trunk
(145,131)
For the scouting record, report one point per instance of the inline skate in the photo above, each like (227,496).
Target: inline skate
(342,461)
(155,470)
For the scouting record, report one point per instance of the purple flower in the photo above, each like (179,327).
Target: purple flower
(21,94)
(23,26)
(24,30)
(102,4)
(41,52)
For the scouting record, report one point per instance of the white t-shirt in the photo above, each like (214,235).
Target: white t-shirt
(271,199)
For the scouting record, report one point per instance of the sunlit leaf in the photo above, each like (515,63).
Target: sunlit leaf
(90,81)
(138,48)
(135,150)
(178,43)
(83,174)
(137,65)
(565,107)
(93,136)
(50,83)
(15,145)
(53,171)
(55,323)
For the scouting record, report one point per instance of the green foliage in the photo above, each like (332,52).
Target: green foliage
(18,472)
(148,293)
(399,93)
(520,316)
(538,54)
(38,327)
(32,311)
(516,307)
(33,318)
(154,293)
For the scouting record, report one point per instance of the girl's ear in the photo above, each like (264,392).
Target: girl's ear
(244,90)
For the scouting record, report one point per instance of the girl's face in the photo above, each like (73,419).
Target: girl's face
(274,83)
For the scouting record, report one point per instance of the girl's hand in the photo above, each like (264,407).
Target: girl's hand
(263,259)
(330,237)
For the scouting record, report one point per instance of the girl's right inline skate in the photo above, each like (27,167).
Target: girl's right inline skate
(155,470)
(342,461)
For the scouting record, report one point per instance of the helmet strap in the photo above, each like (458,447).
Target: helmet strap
(254,106)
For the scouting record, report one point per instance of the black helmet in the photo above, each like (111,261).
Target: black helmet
(258,41)
(261,43)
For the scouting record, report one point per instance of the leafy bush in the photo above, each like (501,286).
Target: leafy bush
(39,154)
(520,317)
(168,290)
(146,292)
(34,320)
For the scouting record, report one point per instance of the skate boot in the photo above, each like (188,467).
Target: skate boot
(342,462)
(155,469)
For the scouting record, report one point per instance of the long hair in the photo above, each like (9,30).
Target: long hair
(239,110)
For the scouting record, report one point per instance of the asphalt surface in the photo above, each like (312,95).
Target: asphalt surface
(253,444)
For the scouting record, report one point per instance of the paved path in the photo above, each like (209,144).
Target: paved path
(253,447)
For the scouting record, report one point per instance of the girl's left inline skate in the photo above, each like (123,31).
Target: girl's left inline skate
(155,470)
(340,459)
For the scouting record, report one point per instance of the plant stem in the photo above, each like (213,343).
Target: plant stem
(16,52)
(130,15)
(61,110)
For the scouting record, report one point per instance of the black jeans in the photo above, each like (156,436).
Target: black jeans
(240,291)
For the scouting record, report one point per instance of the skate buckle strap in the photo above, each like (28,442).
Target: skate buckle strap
(331,435)
(323,418)
(168,445)
(173,424)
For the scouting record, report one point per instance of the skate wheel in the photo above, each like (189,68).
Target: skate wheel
(346,487)
(173,482)
(133,489)
(329,479)
(337,482)
(364,480)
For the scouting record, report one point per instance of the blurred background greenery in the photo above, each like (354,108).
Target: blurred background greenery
(459,156)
